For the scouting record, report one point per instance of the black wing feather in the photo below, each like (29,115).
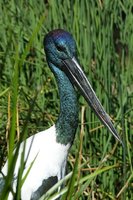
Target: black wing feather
(46,185)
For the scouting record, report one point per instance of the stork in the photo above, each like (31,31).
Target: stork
(51,147)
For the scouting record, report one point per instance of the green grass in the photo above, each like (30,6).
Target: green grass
(103,31)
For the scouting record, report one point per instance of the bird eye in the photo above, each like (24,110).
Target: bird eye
(60,48)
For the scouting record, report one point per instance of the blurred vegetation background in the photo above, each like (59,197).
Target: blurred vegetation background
(103,31)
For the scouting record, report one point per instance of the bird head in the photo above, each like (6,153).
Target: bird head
(59,45)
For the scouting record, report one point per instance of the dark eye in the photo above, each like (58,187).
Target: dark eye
(60,47)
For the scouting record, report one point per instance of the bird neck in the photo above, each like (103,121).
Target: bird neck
(67,122)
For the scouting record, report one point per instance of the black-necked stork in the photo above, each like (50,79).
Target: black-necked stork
(51,147)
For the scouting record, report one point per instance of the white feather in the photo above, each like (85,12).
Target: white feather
(50,161)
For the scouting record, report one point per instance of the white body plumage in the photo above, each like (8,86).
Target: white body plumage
(44,147)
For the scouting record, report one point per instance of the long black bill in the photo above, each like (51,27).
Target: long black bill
(79,79)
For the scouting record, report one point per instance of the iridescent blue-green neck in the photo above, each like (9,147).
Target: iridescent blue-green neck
(67,122)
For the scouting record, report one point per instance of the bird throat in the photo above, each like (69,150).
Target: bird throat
(67,122)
